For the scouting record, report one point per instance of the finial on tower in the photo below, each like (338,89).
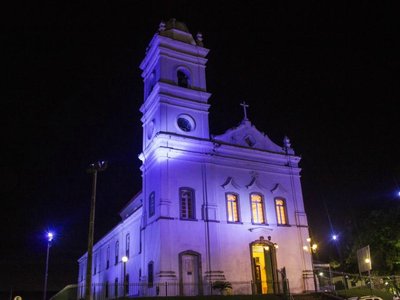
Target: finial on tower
(286,142)
(245,106)
(161,27)
(199,39)
(287,146)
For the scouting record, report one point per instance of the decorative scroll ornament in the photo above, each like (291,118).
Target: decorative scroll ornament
(230,183)
(279,189)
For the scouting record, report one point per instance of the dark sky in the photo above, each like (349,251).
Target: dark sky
(325,75)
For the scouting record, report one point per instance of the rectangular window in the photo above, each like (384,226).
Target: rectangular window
(187,203)
(152,204)
(232,207)
(281,214)
(257,208)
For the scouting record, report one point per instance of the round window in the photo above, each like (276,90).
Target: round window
(185,123)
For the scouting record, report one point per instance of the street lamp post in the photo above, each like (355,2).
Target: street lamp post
(50,237)
(124,260)
(93,169)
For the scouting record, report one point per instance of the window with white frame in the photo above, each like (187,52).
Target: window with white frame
(257,208)
(232,207)
(187,204)
(281,212)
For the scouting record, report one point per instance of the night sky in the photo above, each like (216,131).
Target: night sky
(324,75)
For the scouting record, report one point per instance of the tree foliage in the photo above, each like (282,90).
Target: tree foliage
(378,228)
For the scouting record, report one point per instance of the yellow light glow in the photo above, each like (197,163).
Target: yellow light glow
(367,260)
(259,258)
(280,211)
(257,208)
(305,248)
(233,215)
(308,239)
(276,246)
(314,247)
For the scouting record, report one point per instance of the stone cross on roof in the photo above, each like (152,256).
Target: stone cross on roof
(245,106)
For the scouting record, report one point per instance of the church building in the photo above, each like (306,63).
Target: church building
(214,210)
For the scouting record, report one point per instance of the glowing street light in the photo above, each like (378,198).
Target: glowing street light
(50,237)
(334,237)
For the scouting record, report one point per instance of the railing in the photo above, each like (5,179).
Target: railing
(102,291)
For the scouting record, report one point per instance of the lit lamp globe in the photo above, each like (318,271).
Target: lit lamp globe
(124,259)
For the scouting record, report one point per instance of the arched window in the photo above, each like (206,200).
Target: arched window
(151,82)
(108,257)
(281,213)
(95,265)
(187,204)
(257,208)
(183,78)
(150,274)
(232,207)
(127,243)
(116,251)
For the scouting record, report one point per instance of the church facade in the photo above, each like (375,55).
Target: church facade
(224,209)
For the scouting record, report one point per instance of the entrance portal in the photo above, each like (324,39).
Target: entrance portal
(263,258)
(190,270)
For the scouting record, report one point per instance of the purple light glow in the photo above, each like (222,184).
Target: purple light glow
(334,237)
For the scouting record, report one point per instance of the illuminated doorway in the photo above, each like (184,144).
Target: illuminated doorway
(263,258)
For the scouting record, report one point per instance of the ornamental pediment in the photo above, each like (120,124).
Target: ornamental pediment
(247,135)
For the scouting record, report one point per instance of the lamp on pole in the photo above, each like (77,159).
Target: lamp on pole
(312,248)
(93,169)
(50,237)
(124,260)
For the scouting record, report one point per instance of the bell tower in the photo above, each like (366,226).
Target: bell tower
(175,97)
(175,139)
